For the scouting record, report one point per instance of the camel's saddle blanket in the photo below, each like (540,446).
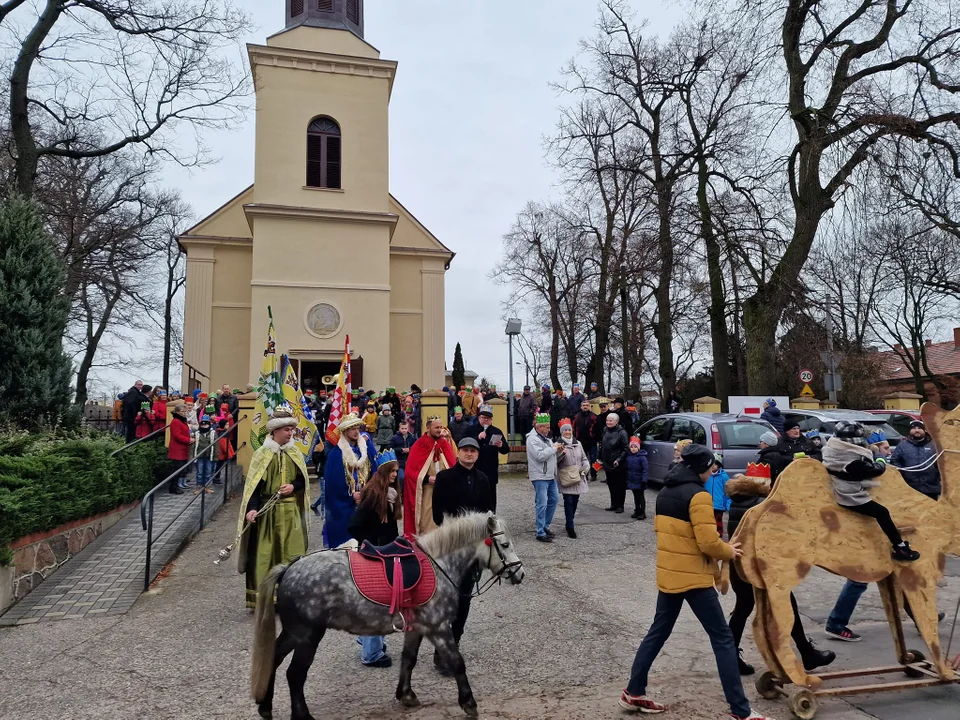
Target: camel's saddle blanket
(396,575)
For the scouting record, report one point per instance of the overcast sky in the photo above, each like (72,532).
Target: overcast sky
(471,105)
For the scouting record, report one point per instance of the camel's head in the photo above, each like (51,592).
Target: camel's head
(943,425)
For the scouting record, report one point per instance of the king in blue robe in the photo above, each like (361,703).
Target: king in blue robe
(349,465)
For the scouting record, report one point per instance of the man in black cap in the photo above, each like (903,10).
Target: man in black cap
(459,490)
(917,450)
(688,548)
(793,442)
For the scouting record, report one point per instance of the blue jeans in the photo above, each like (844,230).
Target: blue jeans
(204,471)
(547,497)
(706,606)
(318,503)
(845,605)
(372,648)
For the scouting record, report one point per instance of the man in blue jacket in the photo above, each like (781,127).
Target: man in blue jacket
(771,413)
(918,449)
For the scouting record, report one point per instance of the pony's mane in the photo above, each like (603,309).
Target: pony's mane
(456,533)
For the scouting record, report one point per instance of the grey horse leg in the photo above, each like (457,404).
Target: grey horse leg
(450,655)
(411,646)
(303,656)
(283,648)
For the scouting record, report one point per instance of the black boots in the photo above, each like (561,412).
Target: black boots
(813,658)
(745,667)
(903,553)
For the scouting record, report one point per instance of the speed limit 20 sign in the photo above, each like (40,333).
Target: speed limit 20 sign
(806,376)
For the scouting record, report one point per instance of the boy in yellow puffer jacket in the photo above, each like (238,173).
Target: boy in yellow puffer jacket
(688,548)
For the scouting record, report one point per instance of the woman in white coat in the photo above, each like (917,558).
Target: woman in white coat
(573,469)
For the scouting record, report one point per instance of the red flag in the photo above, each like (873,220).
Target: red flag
(342,396)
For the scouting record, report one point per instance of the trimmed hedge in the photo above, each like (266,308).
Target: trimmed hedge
(47,481)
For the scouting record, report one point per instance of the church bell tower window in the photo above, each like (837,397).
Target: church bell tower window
(353,11)
(325,6)
(324,150)
(296,7)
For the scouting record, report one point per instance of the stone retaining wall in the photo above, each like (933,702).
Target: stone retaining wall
(36,556)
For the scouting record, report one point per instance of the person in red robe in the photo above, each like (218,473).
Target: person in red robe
(429,455)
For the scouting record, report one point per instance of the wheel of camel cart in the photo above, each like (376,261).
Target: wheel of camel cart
(804,704)
(914,656)
(769,686)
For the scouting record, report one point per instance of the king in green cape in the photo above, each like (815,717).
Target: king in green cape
(280,534)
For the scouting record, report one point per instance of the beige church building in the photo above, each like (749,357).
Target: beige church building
(318,236)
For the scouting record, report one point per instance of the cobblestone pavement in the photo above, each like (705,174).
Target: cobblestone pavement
(106,577)
(558,646)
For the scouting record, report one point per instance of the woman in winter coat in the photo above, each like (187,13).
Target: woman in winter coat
(178,452)
(159,410)
(745,492)
(573,468)
(638,472)
(613,455)
(386,428)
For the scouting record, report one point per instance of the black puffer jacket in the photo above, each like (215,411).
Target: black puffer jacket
(613,448)
(744,493)
(776,458)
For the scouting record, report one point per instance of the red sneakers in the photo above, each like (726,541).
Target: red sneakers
(640,703)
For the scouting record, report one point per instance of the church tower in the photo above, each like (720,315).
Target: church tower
(318,237)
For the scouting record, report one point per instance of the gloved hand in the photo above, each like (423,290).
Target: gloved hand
(391,495)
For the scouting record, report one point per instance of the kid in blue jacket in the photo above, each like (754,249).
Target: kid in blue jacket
(714,486)
(637,474)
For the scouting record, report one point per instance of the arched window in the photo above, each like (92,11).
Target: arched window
(323,154)
(296,8)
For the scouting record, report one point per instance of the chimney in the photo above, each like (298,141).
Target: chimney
(929,342)
(956,338)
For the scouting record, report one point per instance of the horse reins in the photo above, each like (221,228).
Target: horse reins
(497,577)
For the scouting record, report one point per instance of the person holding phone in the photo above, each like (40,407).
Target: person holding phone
(493,444)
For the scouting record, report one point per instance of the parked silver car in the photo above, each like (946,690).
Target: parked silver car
(736,438)
(825,421)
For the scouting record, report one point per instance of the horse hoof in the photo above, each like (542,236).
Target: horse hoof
(265,713)
(471,710)
(410,701)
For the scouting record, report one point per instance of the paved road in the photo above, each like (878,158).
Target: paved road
(558,646)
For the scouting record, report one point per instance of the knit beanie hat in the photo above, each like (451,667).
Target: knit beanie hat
(635,441)
(769,438)
(697,458)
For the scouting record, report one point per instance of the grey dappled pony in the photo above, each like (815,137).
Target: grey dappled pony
(316,593)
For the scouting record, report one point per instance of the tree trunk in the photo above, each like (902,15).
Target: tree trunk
(26,147)
(663,328)
(625,338)
(720,339)
(168,328)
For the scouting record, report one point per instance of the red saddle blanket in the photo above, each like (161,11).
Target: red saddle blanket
(370,577)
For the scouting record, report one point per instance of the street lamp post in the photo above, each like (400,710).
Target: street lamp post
(513,328)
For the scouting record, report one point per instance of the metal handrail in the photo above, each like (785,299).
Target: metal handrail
(179,471)
(140,440)
(201,496)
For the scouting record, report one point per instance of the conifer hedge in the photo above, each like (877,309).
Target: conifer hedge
(47,481)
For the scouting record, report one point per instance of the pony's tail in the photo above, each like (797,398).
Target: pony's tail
(264,634)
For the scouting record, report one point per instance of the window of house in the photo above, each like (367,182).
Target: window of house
(323,154)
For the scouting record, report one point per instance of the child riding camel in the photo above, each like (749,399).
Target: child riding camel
(853,468)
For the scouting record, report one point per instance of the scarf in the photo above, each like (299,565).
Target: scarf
(356,469)
(276,447)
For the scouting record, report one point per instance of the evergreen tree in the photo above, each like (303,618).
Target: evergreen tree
(34,370)
(459,379)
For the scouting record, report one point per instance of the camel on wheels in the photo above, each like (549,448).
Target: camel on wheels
(402,587)
(800,526)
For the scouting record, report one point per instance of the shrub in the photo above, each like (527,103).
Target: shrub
(47,481)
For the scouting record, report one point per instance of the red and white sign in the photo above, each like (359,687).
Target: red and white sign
(806,376)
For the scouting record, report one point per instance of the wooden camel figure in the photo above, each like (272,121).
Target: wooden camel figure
(800,526)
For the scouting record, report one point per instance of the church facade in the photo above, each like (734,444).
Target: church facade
(317,237)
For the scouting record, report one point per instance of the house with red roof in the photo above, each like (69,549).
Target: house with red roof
(941,386)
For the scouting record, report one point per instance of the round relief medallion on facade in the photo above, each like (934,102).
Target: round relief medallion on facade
(323,320)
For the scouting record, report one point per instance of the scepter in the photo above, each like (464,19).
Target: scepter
(224,552)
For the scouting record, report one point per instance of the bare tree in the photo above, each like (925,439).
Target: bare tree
(93,77)
(859,75)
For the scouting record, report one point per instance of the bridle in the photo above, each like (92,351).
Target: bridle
(506,568)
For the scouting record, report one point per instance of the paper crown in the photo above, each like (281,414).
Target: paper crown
(458,409)
(387,456)
(876,437)
(758,470)
(564,422)
(543,419)
(485,410)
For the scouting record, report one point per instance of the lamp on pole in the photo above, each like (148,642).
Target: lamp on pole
(513,328)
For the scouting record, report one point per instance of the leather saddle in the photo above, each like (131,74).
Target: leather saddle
(397,575)
(399,553)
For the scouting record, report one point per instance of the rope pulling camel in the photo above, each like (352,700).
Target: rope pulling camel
(800,526)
